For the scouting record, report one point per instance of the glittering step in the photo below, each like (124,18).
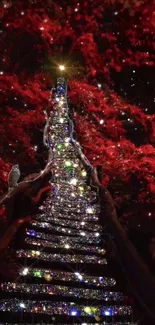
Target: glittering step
(65,246)
(62,291)
(71,209)
(70,216)
(60,239)
(61,308)
(61,258)
(104,323)
(70,277)
(61,229)
(91,269)
(81,225)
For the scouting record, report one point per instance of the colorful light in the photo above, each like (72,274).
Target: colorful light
(68,163)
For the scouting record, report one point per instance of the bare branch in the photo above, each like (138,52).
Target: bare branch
(22,186)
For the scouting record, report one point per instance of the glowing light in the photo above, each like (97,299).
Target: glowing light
(48,277)
(101,121)
(79,276)
(25,271)
(67,246)
(67,140)
(73,181)
(73,312)
(68,163)
(83,173)
(37,274)
(22,305)
(90,210)
(87,310)
(61,67)
(107,313)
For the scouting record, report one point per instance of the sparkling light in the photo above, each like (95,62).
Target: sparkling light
(61,120)
(67,246)
(73,313)
(61,67)
(25,271)
(60,308)
(73,181)
(79,276)
(83,173)
(90,210)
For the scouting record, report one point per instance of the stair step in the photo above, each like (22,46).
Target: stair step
(105,323)
(69,223)
(71,277)
(63,258)
(46,226)
(58,238)
(65,246)
(71,216)
(61,290)
(62,308)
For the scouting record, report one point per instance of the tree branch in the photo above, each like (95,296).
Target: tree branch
(26,184)
(10,232)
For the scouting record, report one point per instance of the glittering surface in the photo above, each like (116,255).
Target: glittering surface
(63,308)
(66,245)
(71,216)
(63,258)
(62,229)
(51,276)
(59,290)
(105,323)
(83,225)
(65,239)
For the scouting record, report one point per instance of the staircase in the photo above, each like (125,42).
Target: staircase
(64,276)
